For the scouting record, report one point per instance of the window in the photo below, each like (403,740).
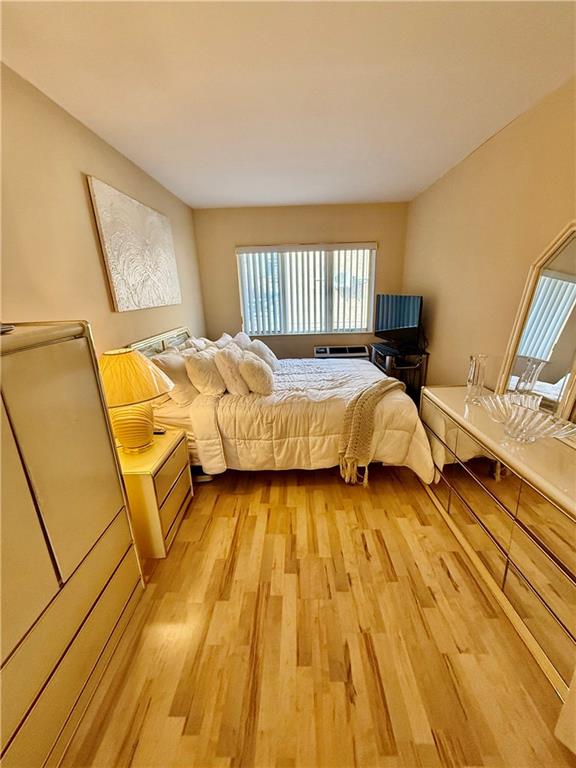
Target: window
(551,307)
(307,288)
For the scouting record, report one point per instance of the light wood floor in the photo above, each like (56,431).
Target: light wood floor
(301,622)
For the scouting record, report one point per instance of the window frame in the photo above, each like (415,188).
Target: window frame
(328,293)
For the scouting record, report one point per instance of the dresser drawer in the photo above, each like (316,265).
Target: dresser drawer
(73,721)
(484,546)
(441,455)
(165,477)
(553,528)
(444,460)
(441,490)
(493,517)
(31,664)
(441,424)
(169,509)
(551,636)
(42,725)
(502,483)
(556,589)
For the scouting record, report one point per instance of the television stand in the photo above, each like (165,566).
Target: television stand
(408,365)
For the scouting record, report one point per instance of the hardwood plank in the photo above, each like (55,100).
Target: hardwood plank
(300,622)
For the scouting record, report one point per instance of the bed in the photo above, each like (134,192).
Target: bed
(298,426)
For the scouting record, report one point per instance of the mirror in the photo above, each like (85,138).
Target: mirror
(541,355)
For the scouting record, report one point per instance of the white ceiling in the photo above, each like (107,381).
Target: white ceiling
(292,103)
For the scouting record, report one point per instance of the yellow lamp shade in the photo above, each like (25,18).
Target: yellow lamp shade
(130,378)
(130,381)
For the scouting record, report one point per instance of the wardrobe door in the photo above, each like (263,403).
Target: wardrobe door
(28,577)
(53,400)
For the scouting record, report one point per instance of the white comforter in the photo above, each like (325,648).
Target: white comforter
(298,425)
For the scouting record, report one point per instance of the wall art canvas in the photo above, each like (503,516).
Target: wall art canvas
(138,250)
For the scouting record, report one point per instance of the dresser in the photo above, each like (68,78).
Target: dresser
(159,488)
(70,574)
(513,506)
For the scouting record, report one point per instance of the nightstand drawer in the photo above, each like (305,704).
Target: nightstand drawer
(157,482)
(169,471)
(169,509)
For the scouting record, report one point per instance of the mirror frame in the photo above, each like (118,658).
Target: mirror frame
(569,397)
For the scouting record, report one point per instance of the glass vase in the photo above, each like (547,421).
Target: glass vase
(529,376)
(476,377)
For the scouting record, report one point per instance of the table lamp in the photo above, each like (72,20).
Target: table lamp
(130,382)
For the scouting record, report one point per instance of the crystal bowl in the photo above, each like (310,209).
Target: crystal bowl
(521,418)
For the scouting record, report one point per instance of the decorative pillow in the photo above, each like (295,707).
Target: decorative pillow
(189,344)
(219,343)
(172,363)
(203,373)
(194,342)
(227,361)
(223,341)
(242,339)
(262,350)
(256,373)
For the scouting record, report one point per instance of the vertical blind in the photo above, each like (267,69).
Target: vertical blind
(306,289)
(551,307)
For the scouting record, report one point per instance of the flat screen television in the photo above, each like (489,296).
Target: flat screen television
(398,321)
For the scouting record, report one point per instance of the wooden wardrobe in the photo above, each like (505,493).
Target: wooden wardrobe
(70,577)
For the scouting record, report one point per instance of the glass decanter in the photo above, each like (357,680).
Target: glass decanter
(529,376)
(476,377)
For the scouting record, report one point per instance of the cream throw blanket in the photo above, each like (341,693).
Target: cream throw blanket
(356,437)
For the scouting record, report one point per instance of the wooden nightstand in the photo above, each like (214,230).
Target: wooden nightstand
(159,488)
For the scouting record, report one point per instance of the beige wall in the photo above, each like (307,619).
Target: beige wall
(473,234)
(52,266)
(220,230)
(465,243)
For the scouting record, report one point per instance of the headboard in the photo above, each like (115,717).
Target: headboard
(153,345)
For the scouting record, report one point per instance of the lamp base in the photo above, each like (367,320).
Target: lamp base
(133,427)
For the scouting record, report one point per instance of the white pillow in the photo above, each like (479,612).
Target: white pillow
(223,341)
(172,363)
(194,342)
(189,344)
(220,343)
(227,361)
(263,351)
(242,339)
(203,373)
(256,373)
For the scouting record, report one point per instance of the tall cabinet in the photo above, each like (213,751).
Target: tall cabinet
(70,575)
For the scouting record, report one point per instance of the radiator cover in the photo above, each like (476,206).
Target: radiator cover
(356,350)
